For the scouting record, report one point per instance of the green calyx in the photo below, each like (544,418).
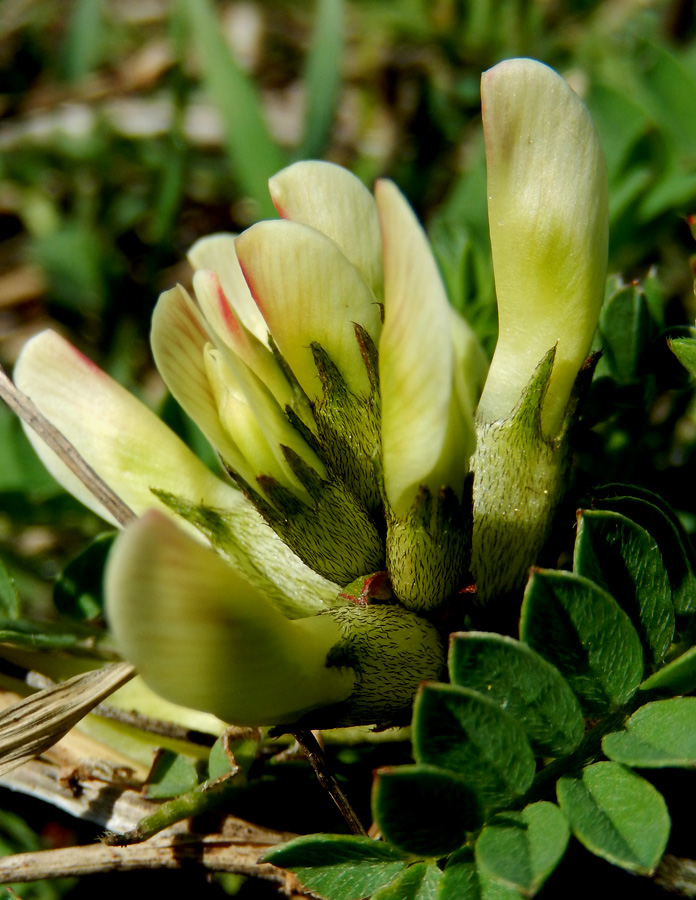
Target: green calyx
(348,425)
(391,651)
(329,519)
(256,551)
(428,548)
(334,536)
(518,484)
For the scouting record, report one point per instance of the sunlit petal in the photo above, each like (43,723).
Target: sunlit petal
(124,442)
(179,339)
(335,202)
(547,207)
(201,636)
(426,436)
(242,342)
(217,253)
(308,291)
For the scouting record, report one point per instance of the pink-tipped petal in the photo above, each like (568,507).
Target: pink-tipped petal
(335,202)
(245,345)
(179,340)
(309,292)
(217,253)
(124,442)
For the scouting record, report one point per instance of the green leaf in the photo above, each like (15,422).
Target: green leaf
(674,188)
(424,810)
(678,676)
(339,867)
(322,78)
(658,735)
(244,751)
(617,815)
(661,522)
(628,189)
(582,630)
(253,153)
(78,591)
(493,890)
(173,774)
(16,836)
(10,604)
(417,882)
(684,348)
(40,635)
(458,729)
(521,849)
(461,880)
(609,106)
(626,328)
(524,684)
(621,557)
(219,763)
(20,468)
(670,92)
(73,257)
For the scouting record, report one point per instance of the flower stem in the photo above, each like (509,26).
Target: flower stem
(327,780)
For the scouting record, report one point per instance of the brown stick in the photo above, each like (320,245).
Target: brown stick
(327,780)
(676,875)
(100,796)
(25,408)
(214,853)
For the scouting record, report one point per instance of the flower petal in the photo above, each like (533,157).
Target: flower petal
(217,252)
(239,418)
(265,393)
(234,335)
(260,555)
(547,209)
(201,636)
(133,450)
(123,441)
(249,411)
(179,340)
(471,363)
(427,437)
(308,291)
(335,202)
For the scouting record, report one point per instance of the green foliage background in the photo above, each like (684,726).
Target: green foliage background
(129,129)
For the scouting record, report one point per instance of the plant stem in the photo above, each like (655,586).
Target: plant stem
(327,780)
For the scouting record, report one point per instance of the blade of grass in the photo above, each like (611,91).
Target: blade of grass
(322,77)
(83,39)
(253,154)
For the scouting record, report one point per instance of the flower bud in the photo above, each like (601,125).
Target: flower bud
(547,208)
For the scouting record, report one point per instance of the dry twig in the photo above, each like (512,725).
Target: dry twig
(109,797)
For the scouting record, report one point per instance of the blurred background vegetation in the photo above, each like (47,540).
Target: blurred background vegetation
(129,128)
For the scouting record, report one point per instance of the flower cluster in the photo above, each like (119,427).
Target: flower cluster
(321,359)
